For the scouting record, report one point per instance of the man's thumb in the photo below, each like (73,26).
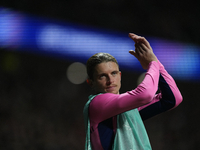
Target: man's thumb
(132,52)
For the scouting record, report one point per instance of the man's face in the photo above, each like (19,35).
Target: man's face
(107,78)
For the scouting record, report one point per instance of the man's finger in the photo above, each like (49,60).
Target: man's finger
(143,46)
(139,39)
(133,37)
(144,41)
(139,49)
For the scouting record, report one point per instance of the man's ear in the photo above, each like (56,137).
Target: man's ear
(89,82)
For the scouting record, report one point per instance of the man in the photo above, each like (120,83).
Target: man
(114,121)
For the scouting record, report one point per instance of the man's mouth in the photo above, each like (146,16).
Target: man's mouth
(111,88)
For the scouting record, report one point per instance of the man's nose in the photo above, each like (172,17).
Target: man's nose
(109,79)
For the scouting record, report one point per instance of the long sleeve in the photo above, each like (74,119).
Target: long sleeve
(169,97)
(107,105)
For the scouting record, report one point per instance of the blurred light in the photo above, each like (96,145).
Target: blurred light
(78,43)
(10,28)
(76,73)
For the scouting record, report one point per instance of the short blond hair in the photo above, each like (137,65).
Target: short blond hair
(97,59)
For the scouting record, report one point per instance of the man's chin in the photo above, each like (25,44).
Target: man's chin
(113,92)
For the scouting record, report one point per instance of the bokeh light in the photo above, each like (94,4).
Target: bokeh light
(76,73)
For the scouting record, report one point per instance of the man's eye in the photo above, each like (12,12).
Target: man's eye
(102,76)
(114,73)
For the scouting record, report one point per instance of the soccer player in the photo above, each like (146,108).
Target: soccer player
(113,120)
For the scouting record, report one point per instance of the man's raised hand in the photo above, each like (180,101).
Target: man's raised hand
(143,51)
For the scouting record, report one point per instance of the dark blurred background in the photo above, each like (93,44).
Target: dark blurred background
(40,109)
